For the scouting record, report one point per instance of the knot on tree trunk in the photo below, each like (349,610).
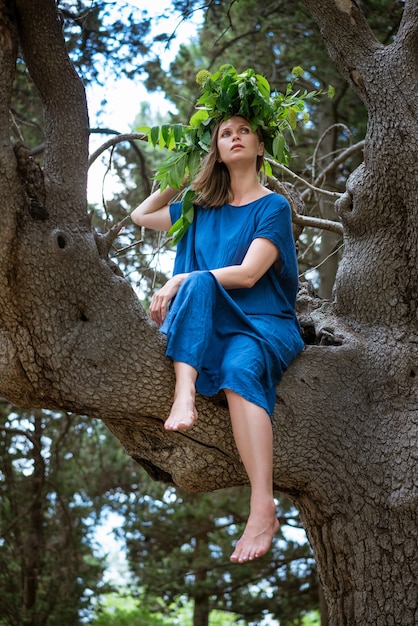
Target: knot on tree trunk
(32,179)
(316,318)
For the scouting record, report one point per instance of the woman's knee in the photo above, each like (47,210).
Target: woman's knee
(199,288)
(200,280)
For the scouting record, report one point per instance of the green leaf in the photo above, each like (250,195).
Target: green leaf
(178,133)
(198,117)
(180,227)
(188,206)
(178,171)
(263,85)
(267,169)
(165,133)
(154,134)
(172,170)
(194,162)
(278,148)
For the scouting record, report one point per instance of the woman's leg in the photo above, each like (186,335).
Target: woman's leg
(253,435)
(183,413)
(189,330)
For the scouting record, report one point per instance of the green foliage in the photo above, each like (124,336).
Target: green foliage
(105,38)
(123,610)
(26,108)
(248,94)
(311,619)
(224,94)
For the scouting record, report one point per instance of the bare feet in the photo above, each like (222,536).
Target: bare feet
(183,414)
(257,536)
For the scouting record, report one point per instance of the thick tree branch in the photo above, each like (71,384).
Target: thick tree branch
(348,36)
(10,190)
(408,29)
(8,52)
(63,97)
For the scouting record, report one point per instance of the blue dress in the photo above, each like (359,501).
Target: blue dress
(238,339)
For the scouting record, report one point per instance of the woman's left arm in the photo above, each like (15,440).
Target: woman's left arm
(260,256)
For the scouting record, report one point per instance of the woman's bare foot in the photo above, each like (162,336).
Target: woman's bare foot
(257,536)
(183,414)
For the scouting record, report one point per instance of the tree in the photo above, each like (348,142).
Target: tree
(112,212)
(73,335)
(47,566)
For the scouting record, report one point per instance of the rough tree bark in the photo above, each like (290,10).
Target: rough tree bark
(73,335)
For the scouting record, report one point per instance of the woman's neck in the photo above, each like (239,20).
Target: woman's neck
(245,187)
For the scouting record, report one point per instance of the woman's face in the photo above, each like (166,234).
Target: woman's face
(237,142)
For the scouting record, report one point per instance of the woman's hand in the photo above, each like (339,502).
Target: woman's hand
(162,298)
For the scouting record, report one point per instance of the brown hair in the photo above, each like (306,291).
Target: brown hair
(212,184)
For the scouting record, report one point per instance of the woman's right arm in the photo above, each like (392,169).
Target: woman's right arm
(154,211)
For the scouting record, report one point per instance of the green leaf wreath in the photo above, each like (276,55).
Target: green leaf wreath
(224,94)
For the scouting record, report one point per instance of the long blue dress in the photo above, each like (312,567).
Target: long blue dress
(238,339)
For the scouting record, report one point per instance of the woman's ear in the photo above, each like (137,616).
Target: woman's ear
(261,149)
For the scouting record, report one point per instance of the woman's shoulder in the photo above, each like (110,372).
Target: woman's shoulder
(269,201)
(273,201)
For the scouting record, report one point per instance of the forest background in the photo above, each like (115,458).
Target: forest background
(62,473)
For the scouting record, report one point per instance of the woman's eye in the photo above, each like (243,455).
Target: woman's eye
(245,130)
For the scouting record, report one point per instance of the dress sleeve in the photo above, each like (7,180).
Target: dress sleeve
(175,211)
(275,224)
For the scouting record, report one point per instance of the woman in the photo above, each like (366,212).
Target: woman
(231,324)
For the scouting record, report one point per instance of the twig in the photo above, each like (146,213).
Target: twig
(343,156)
(323,260)
(330,194)
(114,141)
(306,220)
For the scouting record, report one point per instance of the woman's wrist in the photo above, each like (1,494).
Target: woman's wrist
(180,278)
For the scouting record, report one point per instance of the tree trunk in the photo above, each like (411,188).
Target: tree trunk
(200,566)
(73,335)
(35,540)
(369,573)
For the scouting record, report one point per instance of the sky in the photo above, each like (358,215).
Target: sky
(124,96)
